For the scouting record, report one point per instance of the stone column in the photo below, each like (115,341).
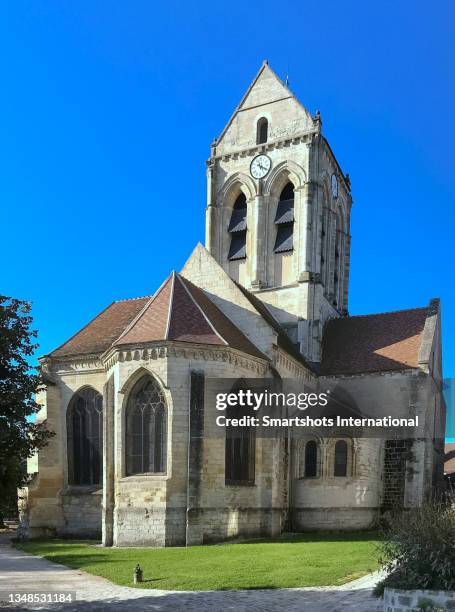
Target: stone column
(210,216)
(303,205)
(195,459)
(259,242)
(108,463)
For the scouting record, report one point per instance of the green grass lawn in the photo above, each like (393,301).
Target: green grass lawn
(293,560)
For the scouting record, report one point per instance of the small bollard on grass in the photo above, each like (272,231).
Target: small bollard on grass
(137,574)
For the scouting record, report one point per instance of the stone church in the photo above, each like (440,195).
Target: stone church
(133,460)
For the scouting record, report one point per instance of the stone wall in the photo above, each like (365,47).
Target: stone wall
(81,513)
(329,502)
(396,600)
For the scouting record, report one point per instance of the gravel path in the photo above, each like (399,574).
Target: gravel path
(26,573)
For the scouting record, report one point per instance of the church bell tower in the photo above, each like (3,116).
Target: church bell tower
(278,210)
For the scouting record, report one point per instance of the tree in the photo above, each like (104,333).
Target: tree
(20,437)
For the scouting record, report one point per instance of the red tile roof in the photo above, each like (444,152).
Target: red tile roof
(99,334)
(179,311)
(449,460)
(182,312)
(373,343)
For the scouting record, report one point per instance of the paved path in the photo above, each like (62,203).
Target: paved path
(24,572)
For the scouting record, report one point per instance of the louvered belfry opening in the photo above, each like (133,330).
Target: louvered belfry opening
(146,429)
(84,420)
(284,221)
(237,229)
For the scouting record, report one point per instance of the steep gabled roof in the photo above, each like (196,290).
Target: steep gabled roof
(100,332)
(388,341)
(181,312)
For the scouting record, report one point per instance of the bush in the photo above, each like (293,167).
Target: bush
(418,549)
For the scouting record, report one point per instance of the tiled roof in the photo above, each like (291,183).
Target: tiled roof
(100,333)
(388,341)
(182,312)
(179,311)
(449,460)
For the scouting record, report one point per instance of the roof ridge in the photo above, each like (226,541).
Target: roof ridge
(183,282)
(379,314)
(132,299)
(170,307)
(142,311)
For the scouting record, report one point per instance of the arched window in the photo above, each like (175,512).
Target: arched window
(284,221)
(240,451)
(84,426)
(146,428)
(311,459)
(262,133)
(237,228)
(341,459)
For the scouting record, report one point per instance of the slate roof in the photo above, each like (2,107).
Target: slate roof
(179,311)
(388,341)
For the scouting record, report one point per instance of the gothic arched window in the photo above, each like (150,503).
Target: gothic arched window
(262,133)
(284,221)
(146,428)
(341,458)
(240,450)
(84,426)
(237,229)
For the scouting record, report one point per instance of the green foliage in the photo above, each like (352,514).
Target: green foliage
(418,549)
(292,560)
(426,605)
(19,437)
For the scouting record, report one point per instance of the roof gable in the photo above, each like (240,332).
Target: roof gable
(266,94)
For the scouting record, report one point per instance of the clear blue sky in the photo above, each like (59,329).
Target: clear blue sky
(108,109)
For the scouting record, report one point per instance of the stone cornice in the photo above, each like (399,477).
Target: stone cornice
(284,360)
(303,136)
(161,350)
(71,364)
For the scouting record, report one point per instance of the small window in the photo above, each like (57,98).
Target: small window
(311,459)
(262,131)
(284,221)
(238,228)
(341,459)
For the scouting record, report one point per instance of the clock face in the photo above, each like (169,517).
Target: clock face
(260,166)
(334,186)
